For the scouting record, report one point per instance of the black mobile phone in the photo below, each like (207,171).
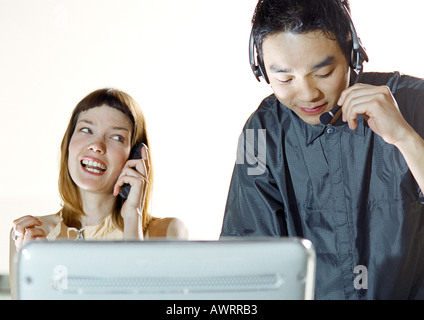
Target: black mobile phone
(135,154)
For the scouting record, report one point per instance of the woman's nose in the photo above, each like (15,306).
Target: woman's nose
(97,147)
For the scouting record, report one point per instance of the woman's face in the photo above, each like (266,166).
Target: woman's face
(99,148)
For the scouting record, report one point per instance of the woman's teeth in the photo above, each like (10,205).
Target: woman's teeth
(93,166)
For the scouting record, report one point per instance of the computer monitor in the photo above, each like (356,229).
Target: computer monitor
(228,269)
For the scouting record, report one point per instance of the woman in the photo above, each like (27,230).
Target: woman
(103,129)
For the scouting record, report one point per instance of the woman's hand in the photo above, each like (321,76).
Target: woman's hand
(26,229)
(136,174)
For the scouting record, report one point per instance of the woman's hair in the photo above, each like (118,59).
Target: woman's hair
(302,16)
(72,209)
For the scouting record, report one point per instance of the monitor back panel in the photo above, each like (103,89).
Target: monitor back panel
(282,268)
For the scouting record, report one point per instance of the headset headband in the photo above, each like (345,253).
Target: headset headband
(358,55)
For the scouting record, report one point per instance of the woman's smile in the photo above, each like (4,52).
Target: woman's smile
(93,166)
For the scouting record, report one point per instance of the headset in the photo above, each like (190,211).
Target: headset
(358,55)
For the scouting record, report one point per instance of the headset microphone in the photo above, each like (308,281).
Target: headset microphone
(358,57)
(326,118)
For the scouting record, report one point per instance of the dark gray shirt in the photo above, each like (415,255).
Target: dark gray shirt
(349,192)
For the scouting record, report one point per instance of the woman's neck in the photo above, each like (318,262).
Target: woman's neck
(96,207)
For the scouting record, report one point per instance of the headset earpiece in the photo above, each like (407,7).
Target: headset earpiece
(256,63)
(358,55)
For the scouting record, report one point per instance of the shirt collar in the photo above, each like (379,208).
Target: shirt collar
(312,132)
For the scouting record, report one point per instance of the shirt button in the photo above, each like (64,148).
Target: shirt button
(331,130)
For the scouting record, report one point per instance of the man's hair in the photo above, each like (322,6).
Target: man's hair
(302,16)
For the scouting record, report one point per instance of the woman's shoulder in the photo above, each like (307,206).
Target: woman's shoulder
(169,227)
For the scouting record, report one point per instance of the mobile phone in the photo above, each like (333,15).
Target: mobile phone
(134,154)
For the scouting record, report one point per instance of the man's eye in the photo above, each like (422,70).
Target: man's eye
(285,81)
(326,75)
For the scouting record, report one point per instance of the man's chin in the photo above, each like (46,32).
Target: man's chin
(311,119)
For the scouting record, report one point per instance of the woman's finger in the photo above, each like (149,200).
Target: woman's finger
(34,233)
(20,224)
(131,177)
(29,234)
(140,165)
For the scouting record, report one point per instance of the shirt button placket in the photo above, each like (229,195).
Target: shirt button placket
(331,130)
(333,140)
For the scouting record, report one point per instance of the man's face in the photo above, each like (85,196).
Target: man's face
(307,72)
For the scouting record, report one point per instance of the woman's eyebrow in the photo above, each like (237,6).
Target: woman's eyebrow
(85,121)
(120,128)
(113,128)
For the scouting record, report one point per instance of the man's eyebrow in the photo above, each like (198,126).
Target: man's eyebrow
(326,62)
(277,69)
(329,60)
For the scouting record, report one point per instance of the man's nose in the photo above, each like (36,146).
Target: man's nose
(308,91)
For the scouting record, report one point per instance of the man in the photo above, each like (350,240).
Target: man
(352,186)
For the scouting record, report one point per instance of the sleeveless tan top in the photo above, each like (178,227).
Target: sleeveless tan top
(104,231)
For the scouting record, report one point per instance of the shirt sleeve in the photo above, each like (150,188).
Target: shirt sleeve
(408,92)
(410,98)
(254,204)
(409,95)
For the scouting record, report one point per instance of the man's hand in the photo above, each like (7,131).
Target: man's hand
(379,108)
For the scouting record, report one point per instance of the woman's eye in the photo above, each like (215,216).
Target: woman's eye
(118,138)
(86,130)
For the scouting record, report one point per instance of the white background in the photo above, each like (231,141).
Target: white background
(186,64)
